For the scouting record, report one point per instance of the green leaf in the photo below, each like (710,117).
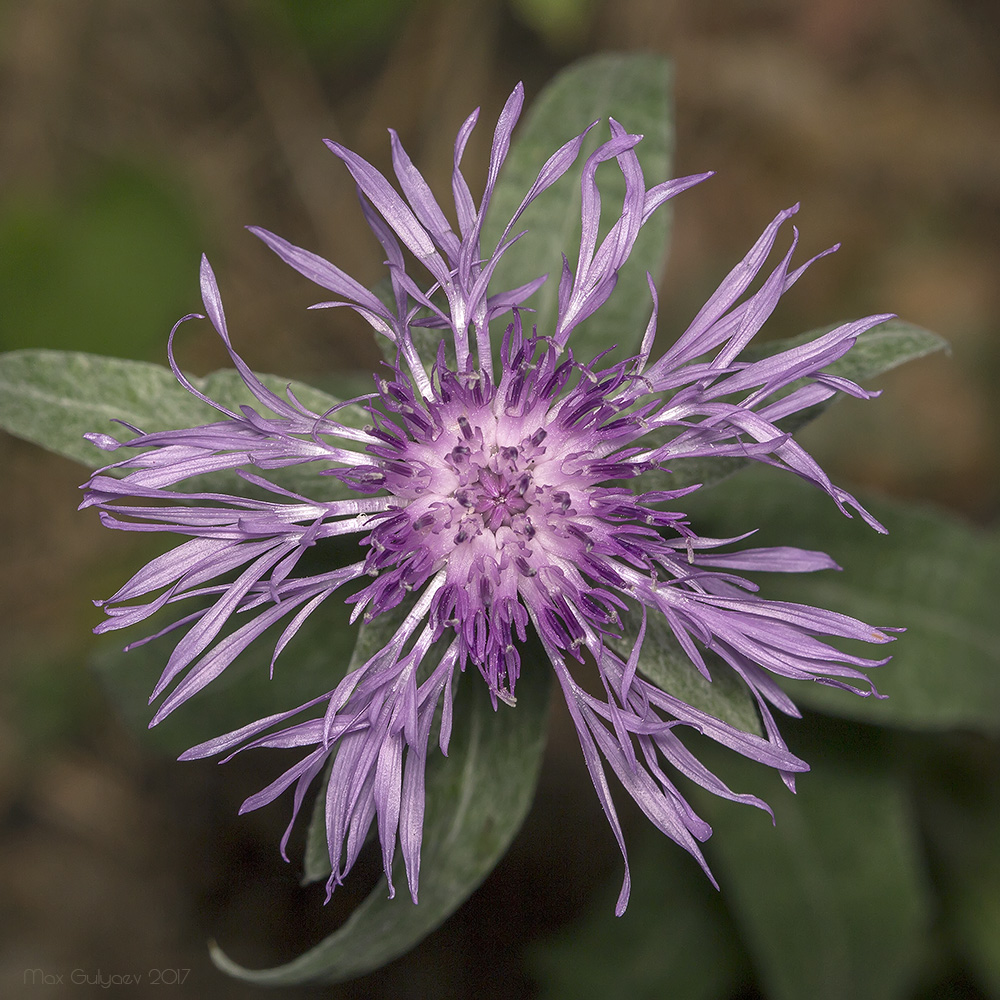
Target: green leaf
(52,398)
(674,940)
(477,799)
(664,662)
(635,90)
(932,574)
(831,899)
(876,352)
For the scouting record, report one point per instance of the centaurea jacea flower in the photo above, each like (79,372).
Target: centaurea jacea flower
(493,503)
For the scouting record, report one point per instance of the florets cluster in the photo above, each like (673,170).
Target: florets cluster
(491,505)
(501,503)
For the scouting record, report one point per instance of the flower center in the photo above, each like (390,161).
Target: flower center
(498,503)
(495,498)
(495,485)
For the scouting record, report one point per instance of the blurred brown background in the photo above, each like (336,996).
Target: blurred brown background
(136,133)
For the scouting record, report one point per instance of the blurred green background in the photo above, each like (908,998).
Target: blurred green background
(135,135)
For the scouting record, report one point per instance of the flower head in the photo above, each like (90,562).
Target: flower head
(491,502)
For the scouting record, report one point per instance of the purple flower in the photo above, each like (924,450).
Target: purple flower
(490,503)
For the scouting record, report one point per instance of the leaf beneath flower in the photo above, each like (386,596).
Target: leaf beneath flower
(932,574)
(686,942)
(663,662)
(53,398)
(477,799)
(831,900)
(633,89)
(876,352)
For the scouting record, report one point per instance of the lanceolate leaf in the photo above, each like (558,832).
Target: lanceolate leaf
(663,662)
(876,352)
(675,939)
(477,798)
(831,900)
(932,575)
(53,398)
(634,90)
